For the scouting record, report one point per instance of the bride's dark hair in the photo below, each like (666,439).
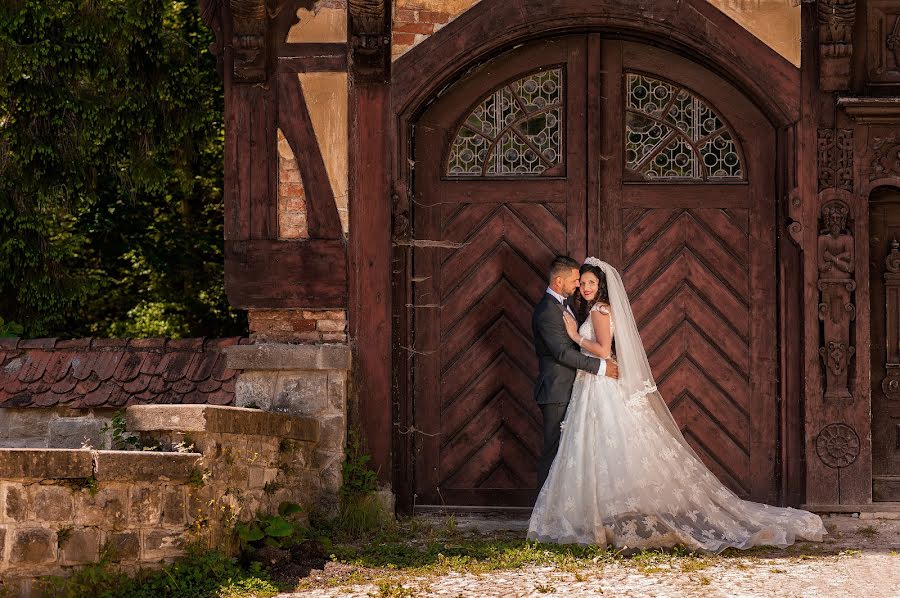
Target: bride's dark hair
(583,306)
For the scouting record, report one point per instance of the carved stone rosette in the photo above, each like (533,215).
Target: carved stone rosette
(837,445)
(836,20)
(836,307)
(891,383)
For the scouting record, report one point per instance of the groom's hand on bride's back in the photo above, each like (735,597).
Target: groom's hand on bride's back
(612,369)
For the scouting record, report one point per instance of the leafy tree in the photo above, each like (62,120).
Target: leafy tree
(111,145)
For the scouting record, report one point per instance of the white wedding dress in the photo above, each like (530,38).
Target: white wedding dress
(625,477)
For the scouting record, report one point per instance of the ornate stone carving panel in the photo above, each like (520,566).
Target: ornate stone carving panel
(885,158)
(883,56)
(835,159)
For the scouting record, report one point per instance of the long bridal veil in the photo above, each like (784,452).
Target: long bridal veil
(635,376)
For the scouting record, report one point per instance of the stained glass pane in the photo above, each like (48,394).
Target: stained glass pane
(642,136)
(676,161)
(543,132)
(467,153)
(720,156)
(647,95)
(524,118)
(539,90)
(514,156)
(697,142)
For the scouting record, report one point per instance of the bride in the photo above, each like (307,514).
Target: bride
(624,475)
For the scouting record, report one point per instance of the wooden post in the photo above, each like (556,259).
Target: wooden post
(370,224)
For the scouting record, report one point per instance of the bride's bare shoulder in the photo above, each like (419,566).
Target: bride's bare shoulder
(601,307)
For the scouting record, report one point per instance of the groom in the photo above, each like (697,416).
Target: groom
(558,357)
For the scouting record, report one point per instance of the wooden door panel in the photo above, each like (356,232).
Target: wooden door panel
(884,218)
(490,426)
(688,277)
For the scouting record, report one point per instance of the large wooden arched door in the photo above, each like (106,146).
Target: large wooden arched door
(579,145)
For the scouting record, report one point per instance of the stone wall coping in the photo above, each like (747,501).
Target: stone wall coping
(45,464)
(125,466)
(144,466)
(281,356)
(220,420)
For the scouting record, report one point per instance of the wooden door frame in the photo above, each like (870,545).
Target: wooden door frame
(692,28)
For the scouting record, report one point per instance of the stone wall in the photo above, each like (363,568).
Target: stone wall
(63,508)
(55,427)
(60,508)
(301,380)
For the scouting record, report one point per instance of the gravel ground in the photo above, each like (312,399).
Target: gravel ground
(861,557)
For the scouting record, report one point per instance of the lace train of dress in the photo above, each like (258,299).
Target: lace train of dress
(621,479)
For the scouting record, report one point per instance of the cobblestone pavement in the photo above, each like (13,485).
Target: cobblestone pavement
(861,557)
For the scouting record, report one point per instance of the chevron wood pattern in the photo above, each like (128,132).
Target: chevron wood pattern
(688,277)
(490,427)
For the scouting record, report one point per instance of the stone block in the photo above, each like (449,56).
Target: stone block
(301,393)
(145,506)
(13,502)
(161,544)
(43,464)
(75,432)
(81,546)
(255,388)
(36,442)
(122,546)
(278,356)
(174,504)
(145,466)
(106,507)
(337,390)
(34,546)
(329,464)
(2,543)
(333,434)
(24,423)
(52,503)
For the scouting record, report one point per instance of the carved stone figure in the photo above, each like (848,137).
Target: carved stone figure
(836,308)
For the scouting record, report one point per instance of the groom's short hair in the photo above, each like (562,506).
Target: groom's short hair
(561,265)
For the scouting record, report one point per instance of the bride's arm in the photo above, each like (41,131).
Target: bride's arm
(601,347)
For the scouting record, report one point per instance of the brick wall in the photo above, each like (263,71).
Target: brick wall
(415,20)
(291,195)
(298,325)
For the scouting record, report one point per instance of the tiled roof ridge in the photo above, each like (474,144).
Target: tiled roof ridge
(94,372)
(93,343)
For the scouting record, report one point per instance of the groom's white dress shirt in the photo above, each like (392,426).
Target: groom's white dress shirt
(562,301)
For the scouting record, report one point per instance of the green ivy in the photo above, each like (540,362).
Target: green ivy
(111,157)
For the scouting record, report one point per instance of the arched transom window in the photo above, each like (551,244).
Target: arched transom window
(515,131)
(672,134)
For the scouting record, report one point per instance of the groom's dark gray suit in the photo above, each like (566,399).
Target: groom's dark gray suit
(558,359)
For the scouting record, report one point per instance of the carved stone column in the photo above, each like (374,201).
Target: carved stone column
(891,383)
(836,21)
(836,308)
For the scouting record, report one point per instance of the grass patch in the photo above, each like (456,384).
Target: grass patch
(196,575)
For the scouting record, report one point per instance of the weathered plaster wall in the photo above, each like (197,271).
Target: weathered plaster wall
(775,22)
